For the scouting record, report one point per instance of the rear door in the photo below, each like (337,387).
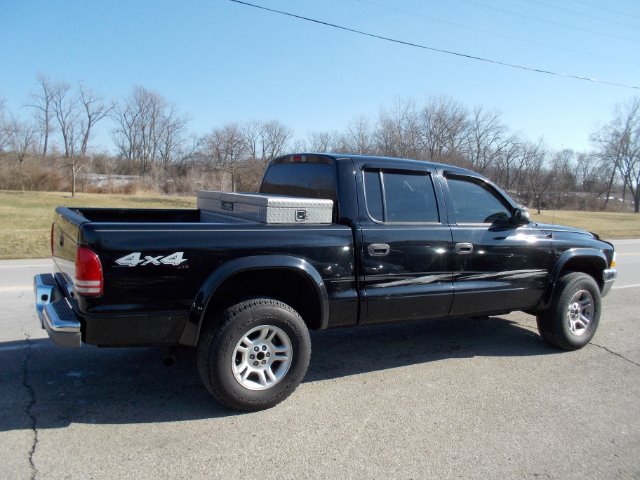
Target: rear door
(497,266)
(406,245)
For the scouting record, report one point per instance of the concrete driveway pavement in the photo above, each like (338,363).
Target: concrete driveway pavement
(441,399)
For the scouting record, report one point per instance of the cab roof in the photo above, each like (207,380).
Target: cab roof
(330,158)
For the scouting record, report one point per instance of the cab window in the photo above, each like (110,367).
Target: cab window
(475,203)
(400,197)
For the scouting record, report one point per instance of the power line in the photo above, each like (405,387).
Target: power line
(586,15)
(489,32)
(550,22)
(433,49)
(611,10)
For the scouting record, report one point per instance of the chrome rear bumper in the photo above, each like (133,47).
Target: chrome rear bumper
(56,315)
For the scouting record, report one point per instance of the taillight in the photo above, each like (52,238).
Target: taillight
(89,280)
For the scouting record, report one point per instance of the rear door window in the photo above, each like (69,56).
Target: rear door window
(400,197)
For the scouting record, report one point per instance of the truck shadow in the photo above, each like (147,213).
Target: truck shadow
(51,387)
(351,351)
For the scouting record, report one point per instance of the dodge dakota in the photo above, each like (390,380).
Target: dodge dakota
(404,240)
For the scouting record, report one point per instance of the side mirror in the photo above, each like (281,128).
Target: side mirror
(520,216)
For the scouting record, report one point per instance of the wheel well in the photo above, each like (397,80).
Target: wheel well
(291,287)
(585,265)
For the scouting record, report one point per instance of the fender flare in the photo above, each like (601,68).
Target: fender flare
(591,254)
(257,262)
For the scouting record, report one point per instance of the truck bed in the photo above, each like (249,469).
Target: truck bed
(158,263)
(155,215)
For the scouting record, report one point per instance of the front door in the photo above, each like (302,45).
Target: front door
(497,266)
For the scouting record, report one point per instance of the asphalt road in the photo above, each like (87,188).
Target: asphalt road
(441,399)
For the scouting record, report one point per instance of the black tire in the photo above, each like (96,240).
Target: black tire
(575,300)
(274,370)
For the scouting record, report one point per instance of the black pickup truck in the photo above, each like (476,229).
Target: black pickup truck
(407,240)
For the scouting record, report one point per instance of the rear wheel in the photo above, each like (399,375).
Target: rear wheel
(574,313)
(255,354)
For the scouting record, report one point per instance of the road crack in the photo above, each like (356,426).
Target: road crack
(615,353)
(26,383)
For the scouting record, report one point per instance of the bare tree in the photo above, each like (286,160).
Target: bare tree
(151,138)
(66,108)
(619,145)
(172,146)
(562,182)
(486,139)
(42,102)
(321,142)
(537,175)
(509,164)
(591,176)
(149,129)
(265,141)
(77,112)
(21,138)
(610,162)
(273,140)
(94,109)
(397,132)
(443,124)
(226,148)
(358,138)
(4,131)
(252,132)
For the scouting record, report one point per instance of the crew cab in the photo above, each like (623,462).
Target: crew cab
(406,240)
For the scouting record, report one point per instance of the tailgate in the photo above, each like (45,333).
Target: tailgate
(64,239)
(54,292)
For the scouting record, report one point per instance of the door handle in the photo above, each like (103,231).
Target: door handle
(378,249)
(464,248)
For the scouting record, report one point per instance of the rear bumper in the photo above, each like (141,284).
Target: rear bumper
(55,313)
(608,277)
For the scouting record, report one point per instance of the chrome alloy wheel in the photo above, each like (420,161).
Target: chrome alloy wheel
(262,357)
(580,312)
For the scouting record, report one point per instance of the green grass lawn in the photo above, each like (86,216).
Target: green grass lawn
(609,225)
(25,218)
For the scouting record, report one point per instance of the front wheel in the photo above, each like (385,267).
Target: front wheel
(574,313)
(254,355)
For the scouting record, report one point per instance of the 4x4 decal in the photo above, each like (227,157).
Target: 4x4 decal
(134,259)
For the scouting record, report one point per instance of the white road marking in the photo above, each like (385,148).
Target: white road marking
(635,285)
(40,265)
(16,289)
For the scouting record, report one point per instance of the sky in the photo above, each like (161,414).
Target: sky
(218,61)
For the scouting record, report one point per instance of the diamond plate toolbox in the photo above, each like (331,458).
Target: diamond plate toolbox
(272,209)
